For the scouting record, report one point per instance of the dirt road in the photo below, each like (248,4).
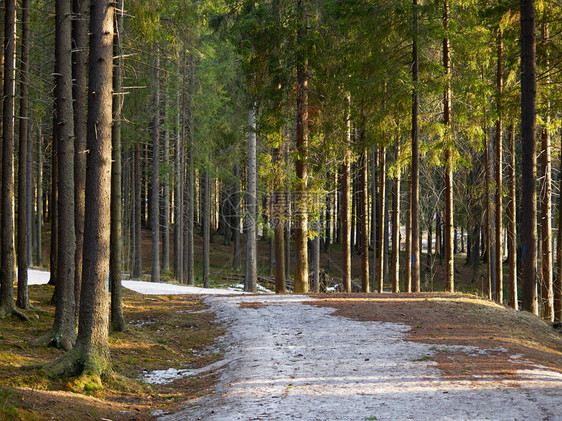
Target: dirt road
(289,360)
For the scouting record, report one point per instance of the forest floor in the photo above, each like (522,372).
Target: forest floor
(329,356)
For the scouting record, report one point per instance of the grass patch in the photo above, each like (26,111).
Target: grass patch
(164,332)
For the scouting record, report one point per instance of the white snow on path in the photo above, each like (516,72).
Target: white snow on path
(289,361)
(40,277)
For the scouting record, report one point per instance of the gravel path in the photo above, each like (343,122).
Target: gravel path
(291,361)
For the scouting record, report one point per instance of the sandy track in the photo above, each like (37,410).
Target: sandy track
(292,361)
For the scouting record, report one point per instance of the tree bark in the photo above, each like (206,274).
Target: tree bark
(529,161)
(365,286)
(65,317)
(155,192)
(558,280)
(39,215)
(236,261)
(345,203)
(380,224)
(7,276)
(166,197)
(137,209)
(189,194)
(206,223)
(251,274)
(499,181)
(415,176)
(547,293)
(449,256)
(301,161)
(278,220)
(512,222)
(395,263)
(79,94)
(23,227)
(90,355)
(116,236)
(179,185)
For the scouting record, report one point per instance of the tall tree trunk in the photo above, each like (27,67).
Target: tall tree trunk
(137,209)
(166,197)
(345,203)
(415,175)
(380,224)
(65,317)
(547,292)
(236,260)
(408,252)
(79,94)
(395,263)
(278,220)
(449,256)
(529,161)
(558,280)
(189,194)
(374,226)
(488,216)
(250,278)
(206,223)
(301,162)
(365,286)
(179,186)
(155,192)
(38,216)
(90,355)
(7,275)
(23,227)
(499,169)
(116,236)
(512,222)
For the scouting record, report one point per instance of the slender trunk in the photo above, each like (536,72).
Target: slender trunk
(39,210)
(236,261)
(395,263)
(301,162)
(499,181)
(328,219)
(137,187)
(558,280)
(512,222)
(79,93)
(529,160)
(278,220)
(449,257)
(345,203)
(116,235)
(488,222)
(65,317)
(23,227)
(380,224)
(365,287)
(179,185)
(374,226)
(166,198)
(409,261)
(547,292)
(206,223)
(189,194)
(155,193)
(415,176)
(429,256)
(251,275)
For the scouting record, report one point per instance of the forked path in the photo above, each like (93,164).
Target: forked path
(294,361)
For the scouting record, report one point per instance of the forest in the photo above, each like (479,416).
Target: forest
(365,146)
